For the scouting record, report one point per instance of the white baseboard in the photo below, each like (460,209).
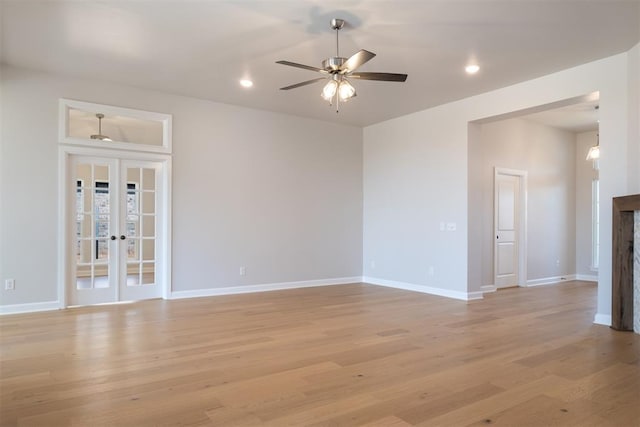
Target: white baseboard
(587,277)
(488,288)
(231,290)
(550,280)
(29,308)
(465,296)
(602,319)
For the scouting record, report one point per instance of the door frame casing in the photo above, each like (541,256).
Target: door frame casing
(522,223)
(65,223)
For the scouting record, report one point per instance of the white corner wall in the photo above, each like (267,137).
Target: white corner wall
(250,188)
(415,177)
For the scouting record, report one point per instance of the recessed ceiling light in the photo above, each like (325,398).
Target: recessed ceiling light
(246,83)
(472,69)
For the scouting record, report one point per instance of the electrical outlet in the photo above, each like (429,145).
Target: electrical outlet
(373,265)
(451,226)
(243,271)
(9,284)
(431,271)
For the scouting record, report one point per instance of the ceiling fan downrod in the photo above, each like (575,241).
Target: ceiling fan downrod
(337,24)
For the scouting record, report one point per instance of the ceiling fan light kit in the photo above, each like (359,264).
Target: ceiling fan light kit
(337,69)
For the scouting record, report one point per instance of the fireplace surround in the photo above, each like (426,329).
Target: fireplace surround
(622,293)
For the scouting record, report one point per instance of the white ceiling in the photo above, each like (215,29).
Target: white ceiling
(202,48)
(581,117)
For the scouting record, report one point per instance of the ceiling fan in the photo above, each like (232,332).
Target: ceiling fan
(336,70)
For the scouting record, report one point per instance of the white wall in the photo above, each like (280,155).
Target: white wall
(547,154)
(415,179)
(415,176)
(250,188)
(585,173)
(633,159)
(266,191)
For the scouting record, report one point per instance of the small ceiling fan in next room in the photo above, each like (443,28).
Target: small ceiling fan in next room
(338,70)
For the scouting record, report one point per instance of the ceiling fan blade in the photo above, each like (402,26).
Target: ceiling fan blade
(304,67)
(308,82)
(356,60)
(387,77)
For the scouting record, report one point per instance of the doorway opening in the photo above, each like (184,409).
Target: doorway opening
(560,240)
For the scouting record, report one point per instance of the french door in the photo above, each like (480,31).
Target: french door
(116,209)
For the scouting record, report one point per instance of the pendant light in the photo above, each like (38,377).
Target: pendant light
(100,136)
(594,152)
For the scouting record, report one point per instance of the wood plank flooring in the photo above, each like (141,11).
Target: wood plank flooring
(328,356)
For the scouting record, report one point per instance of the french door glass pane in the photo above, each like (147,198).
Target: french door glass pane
(133,225)
(92,225)
(148,226)
(101,276)
(140,225)
(148,275)
(149,179)
(133,249)
(102,249)
(102,229)
(148,249)
(133,274)
(148,202)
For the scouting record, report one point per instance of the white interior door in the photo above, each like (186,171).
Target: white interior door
(94,278)
(506,221)
(139,219)
(116,234)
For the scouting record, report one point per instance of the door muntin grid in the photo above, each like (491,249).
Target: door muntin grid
(93,218)
(140,225)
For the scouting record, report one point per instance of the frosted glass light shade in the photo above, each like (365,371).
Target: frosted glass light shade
(346,90)
(594,153)
(329,90)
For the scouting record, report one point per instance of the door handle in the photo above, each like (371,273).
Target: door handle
(122,237)
(113,237)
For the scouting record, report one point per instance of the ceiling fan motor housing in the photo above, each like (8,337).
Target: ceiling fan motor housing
(333,63)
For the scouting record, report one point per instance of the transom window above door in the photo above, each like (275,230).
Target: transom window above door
(105,126)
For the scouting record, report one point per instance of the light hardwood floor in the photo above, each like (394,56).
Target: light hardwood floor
(338,355)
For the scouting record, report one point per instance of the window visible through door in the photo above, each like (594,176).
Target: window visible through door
(102,227)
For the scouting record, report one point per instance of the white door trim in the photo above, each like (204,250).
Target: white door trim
(522,232)
(65,225)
